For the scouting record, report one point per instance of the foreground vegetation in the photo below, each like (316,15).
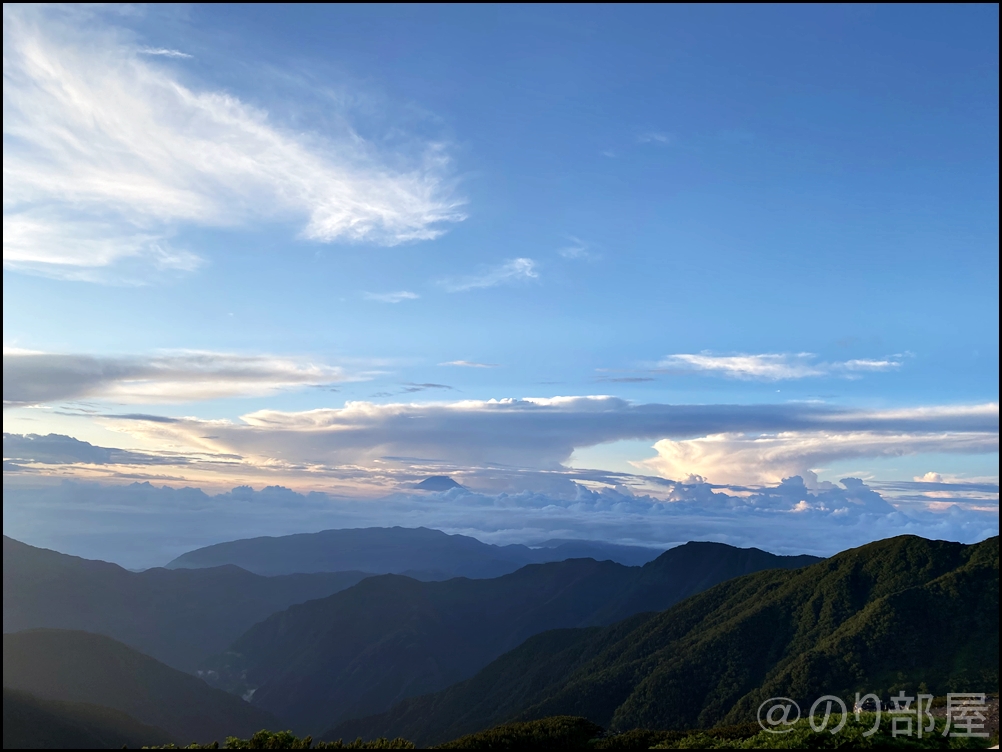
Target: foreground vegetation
(287,740)
(568,732)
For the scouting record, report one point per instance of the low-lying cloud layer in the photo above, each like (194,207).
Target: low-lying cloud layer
(141,525)
(107,150)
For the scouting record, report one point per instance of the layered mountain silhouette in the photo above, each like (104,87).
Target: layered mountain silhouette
(80,667)
(419,552)
(903,613)
(178,617)
(391,637)
(32,723)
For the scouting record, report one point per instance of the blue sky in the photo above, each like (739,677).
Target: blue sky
(372,221)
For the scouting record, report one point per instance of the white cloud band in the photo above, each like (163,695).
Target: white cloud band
(543,433)
(773,366)
(35,378)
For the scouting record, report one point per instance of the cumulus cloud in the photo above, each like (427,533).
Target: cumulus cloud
(773,366)
(107,151)
(469,364)
(738,458)
(31,378)
(543,432)
(391,297)
(508,272)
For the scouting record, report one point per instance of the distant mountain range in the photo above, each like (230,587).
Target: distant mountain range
(79,667)
(437,483)
(179,617)
(417,552)
(903,613)
(390,637)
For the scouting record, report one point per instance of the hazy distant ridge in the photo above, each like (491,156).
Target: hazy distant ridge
(429,554)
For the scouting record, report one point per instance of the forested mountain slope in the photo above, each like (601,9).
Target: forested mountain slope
(388,638)
(79,667)
(32,723)
(178,617)
(903,613)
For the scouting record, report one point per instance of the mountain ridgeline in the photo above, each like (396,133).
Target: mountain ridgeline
(417,552)
(179,617)
(390,637)
(903,613)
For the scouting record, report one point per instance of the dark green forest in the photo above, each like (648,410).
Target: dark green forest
(360,651)
(904,613)
(568,732)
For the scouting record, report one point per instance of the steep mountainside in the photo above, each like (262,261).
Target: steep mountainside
(904,613)
(391,637)
(420,552)
(33,723)
(79,667)
(178,617)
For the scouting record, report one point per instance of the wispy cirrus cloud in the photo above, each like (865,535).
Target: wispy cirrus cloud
(164,52)
(577,249)
(510,271)
(410,387)
(391,297)
(655,137)
(31,378)
(468,364)
(774,366)
(107,152)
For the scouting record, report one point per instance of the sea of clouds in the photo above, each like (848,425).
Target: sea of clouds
(141,525)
